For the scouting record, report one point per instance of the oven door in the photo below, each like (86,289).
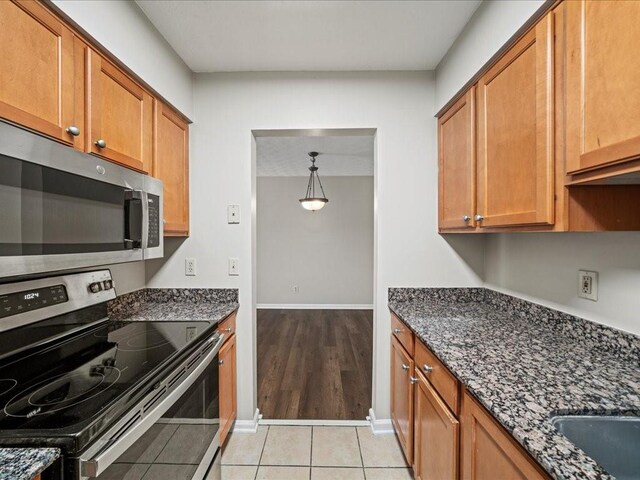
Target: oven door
(63,209)
(173,435)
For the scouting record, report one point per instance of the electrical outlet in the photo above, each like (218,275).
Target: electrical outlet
(233,267)
(192,332)
(588,285)
(295,289)
(190,267)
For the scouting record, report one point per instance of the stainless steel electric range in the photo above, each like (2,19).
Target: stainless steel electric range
(135,400)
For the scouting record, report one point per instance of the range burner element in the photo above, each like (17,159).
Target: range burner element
(53,395)
(6,385)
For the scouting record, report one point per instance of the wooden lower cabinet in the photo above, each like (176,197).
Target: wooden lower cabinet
(402,397)
(436,435)
(488,452)
(448,439)
(227,386)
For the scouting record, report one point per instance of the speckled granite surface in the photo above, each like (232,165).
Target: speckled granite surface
(526,363)
(25,463)
(174,304)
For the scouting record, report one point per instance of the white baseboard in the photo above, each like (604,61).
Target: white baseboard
(379,426)
(317,423)
(248,426)
(314,306)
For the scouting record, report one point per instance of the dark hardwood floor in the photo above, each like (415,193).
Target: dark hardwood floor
(314,364)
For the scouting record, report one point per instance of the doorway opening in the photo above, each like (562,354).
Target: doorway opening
(314,274)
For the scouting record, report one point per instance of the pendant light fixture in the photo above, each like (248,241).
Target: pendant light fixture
(310,201)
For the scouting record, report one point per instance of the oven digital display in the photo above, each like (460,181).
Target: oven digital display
(20,302)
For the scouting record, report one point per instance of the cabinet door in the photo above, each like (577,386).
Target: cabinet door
(515,134)
(488,452)
(436,436)
(402,397)
(37,84)
(120,116)
(603,71)
(457,164)
(227,384)
(171,165)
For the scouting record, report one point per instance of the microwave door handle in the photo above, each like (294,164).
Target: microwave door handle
(144,197)
(135,206)
(99,461)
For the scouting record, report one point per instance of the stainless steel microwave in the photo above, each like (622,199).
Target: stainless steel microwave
(62,209)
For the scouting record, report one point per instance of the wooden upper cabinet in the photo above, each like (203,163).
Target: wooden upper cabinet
(227,385)
(603,75)
(120,116)
(436,436)
(37,80)
(171,165)
(515,133)
(457,164)
(488,452)
(402,397)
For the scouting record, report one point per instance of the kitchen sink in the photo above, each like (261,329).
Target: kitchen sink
(613,442)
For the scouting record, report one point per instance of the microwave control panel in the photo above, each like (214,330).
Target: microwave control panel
(155,223)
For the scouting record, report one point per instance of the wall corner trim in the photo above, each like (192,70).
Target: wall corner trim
(379,426)
(248,426)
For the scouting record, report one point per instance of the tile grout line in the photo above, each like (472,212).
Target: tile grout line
(262,452)
(364,472)
(311,454)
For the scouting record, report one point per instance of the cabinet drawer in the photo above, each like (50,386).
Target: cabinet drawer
(439,376)
(402,333)
(228,326)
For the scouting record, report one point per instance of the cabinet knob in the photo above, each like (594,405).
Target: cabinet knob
(426,368)
(101,143)
(397,331)
(405,367)
(466,218)
(414,380)
(221,362)
(75,131)
(479,217)
(228,330)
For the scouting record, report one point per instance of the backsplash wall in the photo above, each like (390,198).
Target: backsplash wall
(543,268)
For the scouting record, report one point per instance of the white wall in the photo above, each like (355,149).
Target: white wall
(122,28)
(493,23)
(544,268)
(408,249)
(327,254)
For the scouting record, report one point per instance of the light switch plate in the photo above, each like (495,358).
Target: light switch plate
(233,267)
(588,285)
(233,213)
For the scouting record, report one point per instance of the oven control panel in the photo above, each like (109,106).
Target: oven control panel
(27,300)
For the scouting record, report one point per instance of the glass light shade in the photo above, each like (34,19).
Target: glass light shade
(313,204)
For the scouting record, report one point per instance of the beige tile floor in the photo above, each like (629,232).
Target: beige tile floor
(313,453)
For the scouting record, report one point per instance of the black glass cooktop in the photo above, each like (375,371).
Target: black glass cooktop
(69,391)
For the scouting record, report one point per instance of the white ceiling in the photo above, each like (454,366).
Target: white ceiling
(266,35)
(339,156)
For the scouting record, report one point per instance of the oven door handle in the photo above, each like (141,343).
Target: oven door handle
(109,450)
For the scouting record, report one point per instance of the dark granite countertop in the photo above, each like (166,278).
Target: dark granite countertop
(175,304)
(25,463)
(526,363)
